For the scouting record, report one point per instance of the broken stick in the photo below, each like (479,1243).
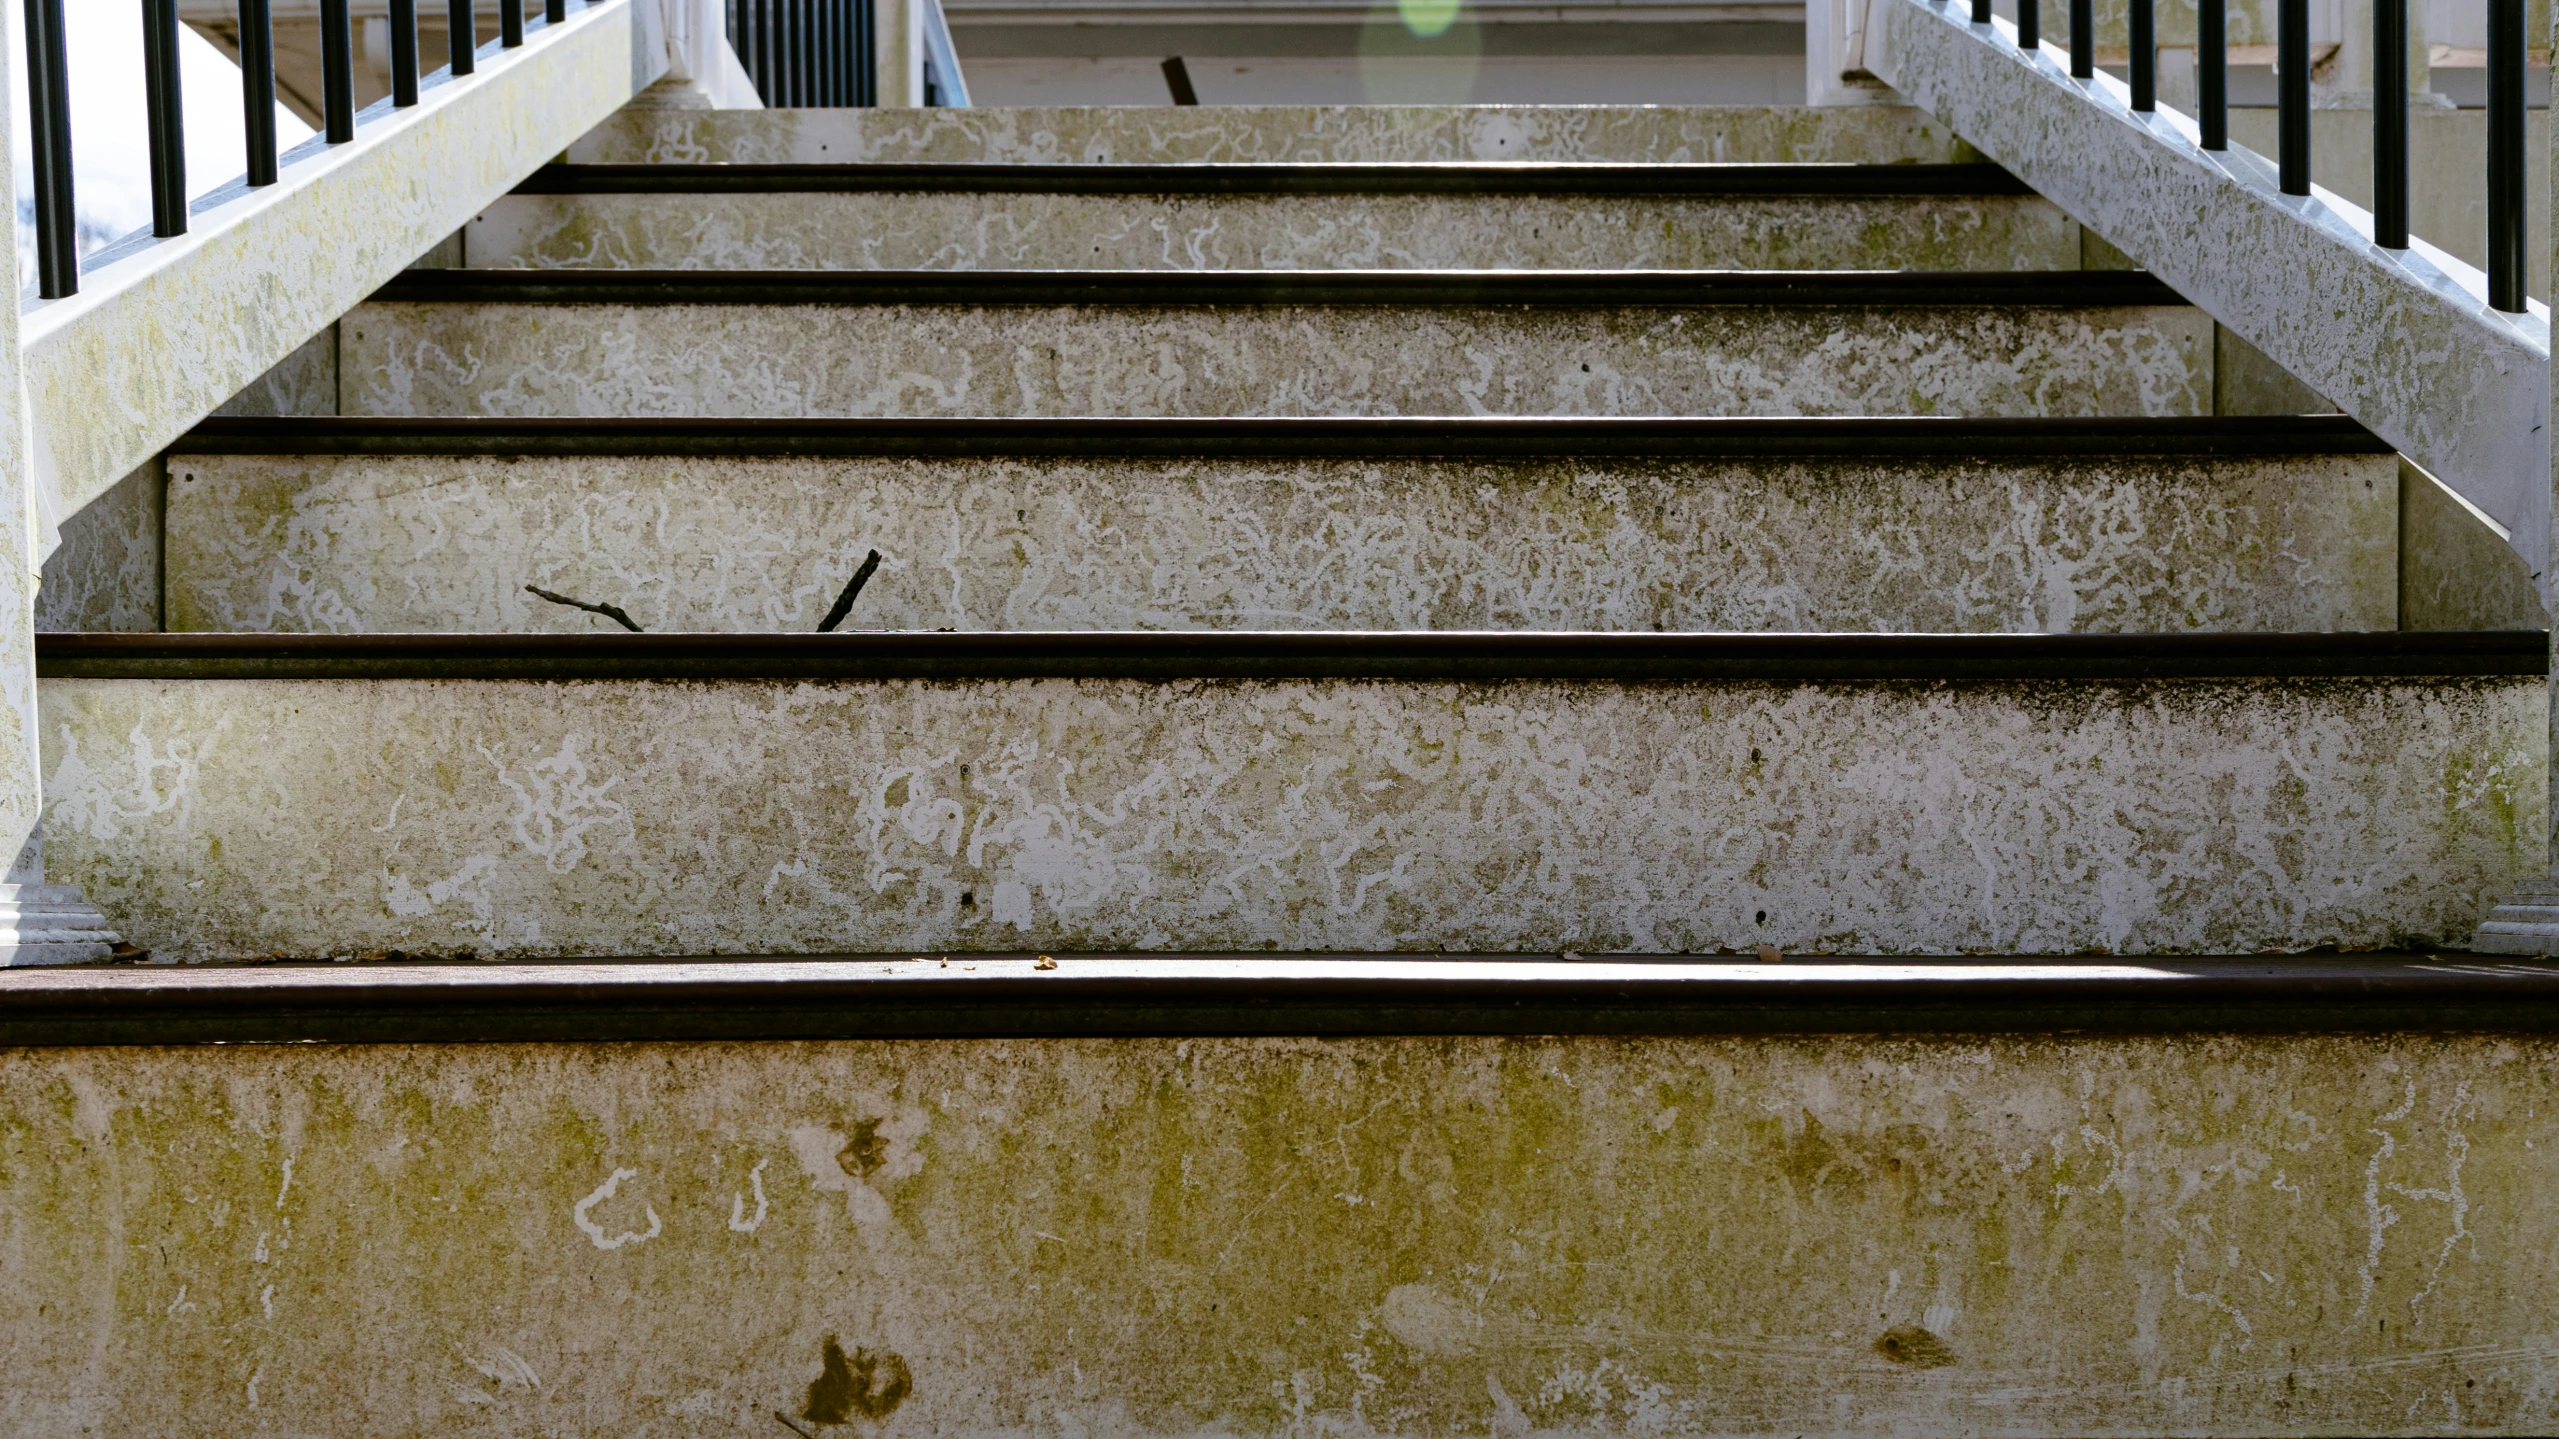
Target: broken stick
(610,612)
(852,590)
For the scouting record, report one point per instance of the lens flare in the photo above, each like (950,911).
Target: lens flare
(1427,18)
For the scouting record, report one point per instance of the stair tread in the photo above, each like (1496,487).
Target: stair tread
(987,994)
(1428,177)
(1492,436)
(1160,655)
(1545,289)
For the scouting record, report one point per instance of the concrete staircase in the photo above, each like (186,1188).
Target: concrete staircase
(1348,419)
(1431,580)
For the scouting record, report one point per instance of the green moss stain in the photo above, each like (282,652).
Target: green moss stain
(1271,1236)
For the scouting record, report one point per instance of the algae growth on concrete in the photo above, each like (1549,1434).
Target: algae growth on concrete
(1855,1236)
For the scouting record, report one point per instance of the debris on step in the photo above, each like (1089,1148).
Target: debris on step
(852,591)
(610,612)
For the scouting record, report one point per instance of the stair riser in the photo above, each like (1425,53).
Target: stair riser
(784,361)
(221,818)
(1362,232)
(1424,1236)
(1349,134)
(378,544)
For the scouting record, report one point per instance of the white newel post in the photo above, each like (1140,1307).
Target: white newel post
(898,31)
(1835,56)
(39,923)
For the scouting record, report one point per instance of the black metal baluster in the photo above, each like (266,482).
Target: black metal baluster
(461,36)
(510,23)
(2292,95)
(49,108)
(822,89)
(2506,118)
(2390,124)
(166,117)
(337,71)
(2212,72)
(555,12)
(404,52)
(2145,57)
(2083,38)
(794,41)
(2030,28)
(257,88)
(866,53)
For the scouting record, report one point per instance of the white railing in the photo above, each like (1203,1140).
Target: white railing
(2404,337)
(157,333)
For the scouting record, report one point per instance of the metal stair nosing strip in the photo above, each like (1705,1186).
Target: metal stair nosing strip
(1400,656)
(1480,437)
(1545,289)
(986,996)
(1455,178)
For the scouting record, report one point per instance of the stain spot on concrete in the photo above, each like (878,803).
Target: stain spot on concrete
(863,1154)
(861,1385)
(1909,1344)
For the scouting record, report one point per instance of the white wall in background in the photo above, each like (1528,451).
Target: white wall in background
(111,154)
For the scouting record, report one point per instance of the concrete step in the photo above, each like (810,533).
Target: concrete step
(898,1209)
(223,796)
(352,525)
(1352,134)
(791,344)
(1274,217)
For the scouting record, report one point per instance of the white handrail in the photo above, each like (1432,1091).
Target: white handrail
(2403,340)
(159,337)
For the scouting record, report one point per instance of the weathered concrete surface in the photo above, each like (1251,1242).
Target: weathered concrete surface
(2456,573)
(106,573)
(315,543)
(302,383)
(1332,232)
(1865,1236)
(449,358)
(1766,134)
(155,341)
(228,818)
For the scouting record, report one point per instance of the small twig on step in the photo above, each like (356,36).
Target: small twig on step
(610,612)
(852,590)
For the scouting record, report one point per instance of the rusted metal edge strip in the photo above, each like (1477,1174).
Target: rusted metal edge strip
(1493,438)
(2051,289)
(1165,656)
(1012,996)
(1426,178)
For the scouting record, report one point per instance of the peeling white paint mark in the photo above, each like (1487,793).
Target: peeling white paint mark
(738,1221)
(2212,1300)
(389,824)
(254,1376)
(260,1255)
(595,1232)
(266,1300)
(508,1368)
(470,1396)
(2378,1215)
(2457,1152)
(558,803)
(287,1186)
(180,1305)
